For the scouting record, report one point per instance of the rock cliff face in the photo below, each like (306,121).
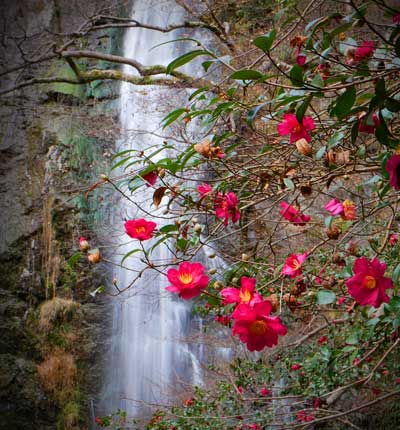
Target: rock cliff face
(54,141)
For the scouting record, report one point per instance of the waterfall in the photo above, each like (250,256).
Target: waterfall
(150,358)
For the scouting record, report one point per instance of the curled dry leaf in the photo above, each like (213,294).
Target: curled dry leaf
(158,195)
(303,147)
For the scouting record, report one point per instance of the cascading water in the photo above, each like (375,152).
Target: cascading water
(149,354)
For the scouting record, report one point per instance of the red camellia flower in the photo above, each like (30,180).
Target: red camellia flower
(295,366)
(304,417)
(293,263)
(265,392)
(334,207)
(300,59)
(393,168)
(140,228)
(291,214)
(322,340)
(255,327)
(188,281)
(226,206)
(368,285)
(393,238)
(396,18)
(223,319)
(365,51)
(365,127)
(297,130)
(246,293)
(150,178)
(204,189)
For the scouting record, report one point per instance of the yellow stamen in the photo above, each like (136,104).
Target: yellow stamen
(186,278)
(245,296)
(258,327)
(369,282)
(140,229)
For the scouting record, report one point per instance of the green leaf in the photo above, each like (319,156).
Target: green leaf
(301,110)
(354,131)
(74,259)
(172,116)
(345,102)
(168,228)
(335,139)
(320,153)
(129,254)
(197,92)
(252,114)
(185,58)
(326,297)
(246,75)
(265,42)
(289,184)
(392,104)
(396,274)
(296,75)
(380,89)
(352,339)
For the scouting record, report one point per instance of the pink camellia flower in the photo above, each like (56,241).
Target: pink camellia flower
(396,18)
(140,228)
(204,189)
(226,206)
(255,327)
(349,211)
(150,178)
(83,244)
(368,284)
(364,127)
(188,281)
(393,238)
(264,392)
(291,214)
(334,207)
(295,366)
(393,168)
(246,293)
(365,51)
(293,263)
(297,130)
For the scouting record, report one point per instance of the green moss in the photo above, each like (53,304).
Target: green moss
(63,70)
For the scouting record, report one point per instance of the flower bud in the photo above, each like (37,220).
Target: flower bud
(245,257)
(94,256)
(161,173)
(83,244)
(104,177)
(211,255)
(303,147)
(212,271)
(195,220)
(197,228)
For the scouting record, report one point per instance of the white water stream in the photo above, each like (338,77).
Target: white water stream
(150,361)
